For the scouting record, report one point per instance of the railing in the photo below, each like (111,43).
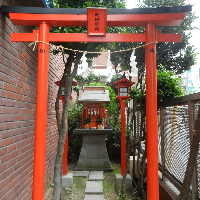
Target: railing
(176,125)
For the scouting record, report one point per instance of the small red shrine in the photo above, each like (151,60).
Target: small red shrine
(93,98)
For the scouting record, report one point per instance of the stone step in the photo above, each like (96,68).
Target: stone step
(80,173)
(94,187)
(94,197)
(96,175)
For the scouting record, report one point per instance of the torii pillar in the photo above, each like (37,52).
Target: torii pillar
(145,17)
(151,113)
(41,113)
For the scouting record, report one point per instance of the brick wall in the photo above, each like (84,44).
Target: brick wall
(18,72)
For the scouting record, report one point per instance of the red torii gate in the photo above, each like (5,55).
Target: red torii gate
(44,18)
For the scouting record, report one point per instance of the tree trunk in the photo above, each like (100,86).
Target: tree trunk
(191,161)
(140,186)
(61,120)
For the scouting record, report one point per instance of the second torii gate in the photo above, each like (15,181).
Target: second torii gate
(96,20)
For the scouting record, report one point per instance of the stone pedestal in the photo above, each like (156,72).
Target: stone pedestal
(67,180)
(127,183)
(93,155)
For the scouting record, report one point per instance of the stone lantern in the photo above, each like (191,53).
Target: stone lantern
(74,83)
(123,86)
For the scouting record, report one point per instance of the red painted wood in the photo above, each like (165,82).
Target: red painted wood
(123,137)
(151,115)
(41,114)
(165,37)
(25,37)
(110,37)
(123,82)
(83,37)
(119,20)
(97,106)
(96,20)
(80,37)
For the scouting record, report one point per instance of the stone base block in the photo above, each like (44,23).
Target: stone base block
(93,155)
(92,197)
(118,183)
(67,180)
(84,174)
(93,165)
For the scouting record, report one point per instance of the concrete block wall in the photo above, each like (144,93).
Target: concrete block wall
(18,73)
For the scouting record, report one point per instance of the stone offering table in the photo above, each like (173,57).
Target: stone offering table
(93,155)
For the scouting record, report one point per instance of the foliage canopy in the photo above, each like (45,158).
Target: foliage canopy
(168,85)
(173,56)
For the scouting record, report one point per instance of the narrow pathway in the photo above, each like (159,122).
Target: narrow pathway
(94,188)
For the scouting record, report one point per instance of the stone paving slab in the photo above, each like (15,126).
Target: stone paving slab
(80,173)
(94,187)
(94,197)
(96,175)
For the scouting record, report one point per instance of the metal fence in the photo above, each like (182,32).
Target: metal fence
(176,124)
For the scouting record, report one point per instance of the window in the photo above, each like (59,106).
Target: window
(123,91)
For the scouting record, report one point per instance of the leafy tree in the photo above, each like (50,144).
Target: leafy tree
(91,3)
(176,57)
(115,78)
(74,120)
(169,86)
(88,80)
(113,121)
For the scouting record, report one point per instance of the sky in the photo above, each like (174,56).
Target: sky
(195,34)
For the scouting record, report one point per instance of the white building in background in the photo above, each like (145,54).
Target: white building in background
(194,73)
(100,67)
(193,80)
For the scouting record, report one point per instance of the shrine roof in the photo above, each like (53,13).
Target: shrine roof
(94,95)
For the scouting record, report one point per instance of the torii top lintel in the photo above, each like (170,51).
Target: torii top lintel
(161,16)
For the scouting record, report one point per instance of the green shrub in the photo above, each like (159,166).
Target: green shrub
(74,121)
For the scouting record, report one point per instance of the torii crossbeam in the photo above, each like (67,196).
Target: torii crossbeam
(44,18)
